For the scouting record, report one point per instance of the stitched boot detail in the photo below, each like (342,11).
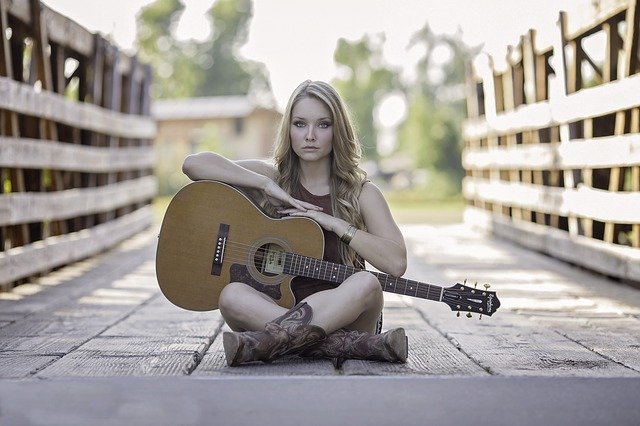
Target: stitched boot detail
(286,334)
(344,344)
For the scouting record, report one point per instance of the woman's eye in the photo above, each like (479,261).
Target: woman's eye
(298,123)
(324,125)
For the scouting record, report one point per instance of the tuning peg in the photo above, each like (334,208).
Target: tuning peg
(486,286)
(475,285)
(464,282)
(458,314)
(468,314)
(480,317)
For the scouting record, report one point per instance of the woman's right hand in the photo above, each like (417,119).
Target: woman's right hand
(279,198)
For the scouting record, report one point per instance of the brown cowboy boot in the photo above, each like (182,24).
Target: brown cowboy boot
(285,334)
(344,344)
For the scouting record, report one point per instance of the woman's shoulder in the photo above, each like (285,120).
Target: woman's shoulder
(369,187)
(370,193)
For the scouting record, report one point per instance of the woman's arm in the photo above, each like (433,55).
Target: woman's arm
(382,245)
(255,175)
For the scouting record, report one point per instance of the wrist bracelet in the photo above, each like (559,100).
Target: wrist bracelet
(349,234)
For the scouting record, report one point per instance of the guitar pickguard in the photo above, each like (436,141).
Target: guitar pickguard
(239,273)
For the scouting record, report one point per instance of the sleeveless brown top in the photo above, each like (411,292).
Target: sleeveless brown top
(304,287)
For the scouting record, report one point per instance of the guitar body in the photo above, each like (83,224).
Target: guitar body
(205,217)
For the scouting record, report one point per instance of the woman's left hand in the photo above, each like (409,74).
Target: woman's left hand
(328,222)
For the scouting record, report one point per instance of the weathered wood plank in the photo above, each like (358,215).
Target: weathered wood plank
(126,356)
(156,323)
(43,154)
(621,207)
(14,366)
(587,103)
(39,345)
(430,353)
(612,260)
(513,345)
(30,207)
(603,152)
(24,99)
(521,339)
(55,251)
(59,328)
(65,32)
(616,338)
(518,351)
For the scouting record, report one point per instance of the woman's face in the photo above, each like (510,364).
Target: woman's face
(311,129)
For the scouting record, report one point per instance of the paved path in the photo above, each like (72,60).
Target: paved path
(91,323)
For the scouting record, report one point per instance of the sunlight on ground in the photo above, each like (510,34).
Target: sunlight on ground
(133,289)
(52,279)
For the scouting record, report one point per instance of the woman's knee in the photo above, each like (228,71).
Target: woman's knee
(231,298)
(369,288)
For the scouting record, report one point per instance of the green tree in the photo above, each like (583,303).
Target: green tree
(171,60)
(185,68)
(368,80)
(431,132)
(229,74)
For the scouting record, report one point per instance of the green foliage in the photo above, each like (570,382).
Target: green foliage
(169,58)
(191,68)
(209,139)
(367,82)
(431,134)
(228,74)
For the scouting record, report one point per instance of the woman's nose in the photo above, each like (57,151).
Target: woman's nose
(310,136)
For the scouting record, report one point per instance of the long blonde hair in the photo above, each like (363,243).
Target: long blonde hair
(346,176)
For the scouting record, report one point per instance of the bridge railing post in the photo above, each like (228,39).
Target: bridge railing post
(76,159)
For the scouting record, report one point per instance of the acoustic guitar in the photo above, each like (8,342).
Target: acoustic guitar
(213,234)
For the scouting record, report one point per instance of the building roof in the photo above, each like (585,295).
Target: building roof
(206,107)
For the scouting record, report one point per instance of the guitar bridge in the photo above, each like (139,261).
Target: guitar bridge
(218,255)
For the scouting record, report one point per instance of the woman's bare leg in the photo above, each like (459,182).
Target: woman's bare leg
(355,304)
(245,308)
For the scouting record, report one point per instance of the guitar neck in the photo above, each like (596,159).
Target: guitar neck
(309,267)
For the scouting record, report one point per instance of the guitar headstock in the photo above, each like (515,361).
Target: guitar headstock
(463,298)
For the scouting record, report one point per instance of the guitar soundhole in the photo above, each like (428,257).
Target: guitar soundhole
(269,259)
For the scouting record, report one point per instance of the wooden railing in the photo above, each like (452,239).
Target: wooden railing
(76,159)
(552,143)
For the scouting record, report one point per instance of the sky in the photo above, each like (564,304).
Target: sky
(295,39)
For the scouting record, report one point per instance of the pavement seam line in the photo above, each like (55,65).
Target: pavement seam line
(608,358)
(450,339)
(93,337)
(200,354)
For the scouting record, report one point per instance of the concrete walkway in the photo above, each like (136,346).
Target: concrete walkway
(564,347)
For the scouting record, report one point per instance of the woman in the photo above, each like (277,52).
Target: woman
(315,175)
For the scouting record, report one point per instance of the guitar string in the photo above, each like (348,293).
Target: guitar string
(238,252)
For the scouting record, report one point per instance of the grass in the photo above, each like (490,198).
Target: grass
(406,208)
(160,206)
(436,212)
(419,207)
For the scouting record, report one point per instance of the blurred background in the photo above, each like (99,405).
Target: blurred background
(224,69)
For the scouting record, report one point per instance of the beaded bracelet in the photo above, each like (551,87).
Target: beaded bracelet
(349,234)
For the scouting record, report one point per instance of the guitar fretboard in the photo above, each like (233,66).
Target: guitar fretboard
(309,267)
